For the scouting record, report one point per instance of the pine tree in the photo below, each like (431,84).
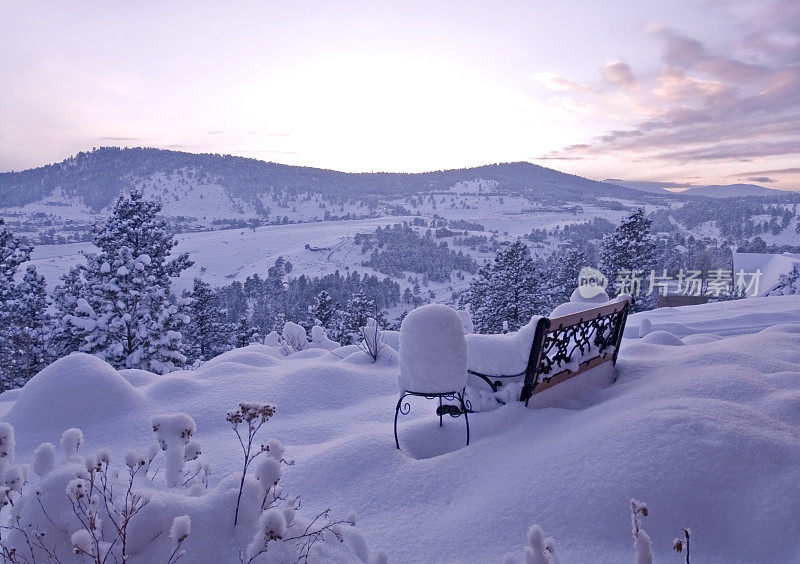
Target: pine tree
(561,274)
(65,338)
(14,251)
(507,290)
(245,333)
(31,326)
(355,316)
(324,310)
(128,316)
(206,337)
(627,253)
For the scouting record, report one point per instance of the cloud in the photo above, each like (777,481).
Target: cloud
(701,105)
(121,138)
(762,179)
(618,73)
(560,84)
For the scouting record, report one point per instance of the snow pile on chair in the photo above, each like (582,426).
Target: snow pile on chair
(433,355)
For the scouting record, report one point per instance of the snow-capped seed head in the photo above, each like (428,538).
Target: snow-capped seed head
(135,459)
(7,444)
(14,478)
(180,529)
(273,523)
(274,448)
(192,451)
(173,427)
(104,456)
(82,542)
(44,459)
(71,441)
(76,488)
(91,463)
(268,472)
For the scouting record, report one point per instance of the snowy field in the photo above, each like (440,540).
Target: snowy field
(703,424)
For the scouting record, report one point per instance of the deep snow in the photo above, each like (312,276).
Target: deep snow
(708,434)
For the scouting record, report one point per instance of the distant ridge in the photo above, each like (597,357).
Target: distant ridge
(732,190)
(99,176)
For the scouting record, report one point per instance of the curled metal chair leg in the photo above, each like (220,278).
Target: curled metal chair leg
(404,409)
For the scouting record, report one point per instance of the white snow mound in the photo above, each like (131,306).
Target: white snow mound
(75,391)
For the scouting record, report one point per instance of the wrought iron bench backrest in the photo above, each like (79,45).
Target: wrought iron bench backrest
(557,340)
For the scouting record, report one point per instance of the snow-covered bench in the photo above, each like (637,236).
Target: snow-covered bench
(548,351)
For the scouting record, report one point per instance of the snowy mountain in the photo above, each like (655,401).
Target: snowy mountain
(96,178)
(732,191)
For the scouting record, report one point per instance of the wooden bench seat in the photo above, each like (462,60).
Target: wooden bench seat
(563,347)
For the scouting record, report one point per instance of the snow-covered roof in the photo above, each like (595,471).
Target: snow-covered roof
(771,266)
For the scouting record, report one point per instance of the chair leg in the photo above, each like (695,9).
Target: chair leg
(464,411)
(396,412)
(440,411)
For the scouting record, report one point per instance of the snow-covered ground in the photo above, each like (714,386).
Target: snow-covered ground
(706,432)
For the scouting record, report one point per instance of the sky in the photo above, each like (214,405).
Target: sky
(682,91)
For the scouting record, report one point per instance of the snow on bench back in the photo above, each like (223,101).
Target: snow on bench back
(433,351)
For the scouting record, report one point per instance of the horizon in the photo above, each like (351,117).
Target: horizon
(688,93)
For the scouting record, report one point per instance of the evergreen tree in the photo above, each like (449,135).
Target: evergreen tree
(561,274)
(128,316)
(14,251)
(627,253)
(245,333)
(207,336)
(355,316)
(31,326)
(508,290)
(324,310)
(65,338)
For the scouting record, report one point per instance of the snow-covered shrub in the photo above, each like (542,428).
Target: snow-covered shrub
(320,340)
(93,510)
(273,339)
(294,337)
(371,341)
(641,540)
(540,549)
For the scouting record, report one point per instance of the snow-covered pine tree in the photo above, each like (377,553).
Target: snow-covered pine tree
(510,290)
(31,327)
(245,333)
(359,309)
(561,275)
(324,310)
(630,249)
(788,284)
(65,338)
(13,252)
(207,336)
(129,317)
